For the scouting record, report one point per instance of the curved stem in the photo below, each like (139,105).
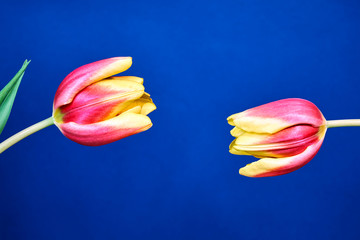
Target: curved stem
(343,123)
(24,133)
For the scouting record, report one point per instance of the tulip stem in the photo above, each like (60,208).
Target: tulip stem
(343,123)
(24,133)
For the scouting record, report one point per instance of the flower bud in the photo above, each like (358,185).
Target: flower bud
(92,107)
(284,134)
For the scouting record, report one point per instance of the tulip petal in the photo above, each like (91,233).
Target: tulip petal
(101,100)
(127,78)
(275,116)
(268,167)
(143,105)
(147,108)
(107,131)
(236,132)
(285,143)
(235,151)
(88,74)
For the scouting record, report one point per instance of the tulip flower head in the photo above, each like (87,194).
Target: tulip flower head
(284,134)
(92,107)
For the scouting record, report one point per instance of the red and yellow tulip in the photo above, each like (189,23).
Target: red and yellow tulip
(92,107)
(284,134)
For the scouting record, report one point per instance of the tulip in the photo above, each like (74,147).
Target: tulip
(92,107)
(284,134)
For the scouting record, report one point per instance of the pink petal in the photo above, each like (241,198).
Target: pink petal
(267,167)
(88,74)
(108,131)
(285,143)
(101,100)
(275,116)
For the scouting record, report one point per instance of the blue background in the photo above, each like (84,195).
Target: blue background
(202,61)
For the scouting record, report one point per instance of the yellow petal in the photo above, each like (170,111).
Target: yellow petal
(257,124)
(116,85)
(143,105)
(128,78)
(233,150)
(147,108)
(236,132)
(134,109)
(250,139)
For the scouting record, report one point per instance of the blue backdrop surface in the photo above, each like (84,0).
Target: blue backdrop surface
(201,62)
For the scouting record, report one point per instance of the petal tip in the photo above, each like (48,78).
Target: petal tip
(243,172)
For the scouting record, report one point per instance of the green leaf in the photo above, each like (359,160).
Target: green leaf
(7,95)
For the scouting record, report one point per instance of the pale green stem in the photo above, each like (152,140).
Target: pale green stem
(343,123)
(24,133)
